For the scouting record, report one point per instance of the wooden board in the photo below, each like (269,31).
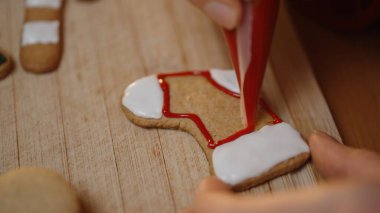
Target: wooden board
(346,65)
(71,121)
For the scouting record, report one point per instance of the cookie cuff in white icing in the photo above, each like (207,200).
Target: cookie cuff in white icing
(40,32)
(226,79)
(53,4)
(144,97)
(253,154)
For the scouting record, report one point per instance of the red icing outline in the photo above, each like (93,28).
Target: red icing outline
(195,118)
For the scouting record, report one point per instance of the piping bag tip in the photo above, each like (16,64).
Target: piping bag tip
(249,46)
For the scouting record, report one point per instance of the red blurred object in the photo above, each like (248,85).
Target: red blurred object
(340,14)
(254,34)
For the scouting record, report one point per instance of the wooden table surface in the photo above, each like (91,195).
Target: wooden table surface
(71,120)
(347,67)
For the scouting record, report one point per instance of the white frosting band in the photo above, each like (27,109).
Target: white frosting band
(253,154)
(226,79)
(53,4)
(144,97)
(40,32)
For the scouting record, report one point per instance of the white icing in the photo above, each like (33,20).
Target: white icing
(226,79)
(40,32)
(144,97)
(53,4)
(253,154)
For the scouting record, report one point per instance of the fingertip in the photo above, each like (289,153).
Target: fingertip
(212,183)
(226,13)
(318,141)
(214,196)
(327,154)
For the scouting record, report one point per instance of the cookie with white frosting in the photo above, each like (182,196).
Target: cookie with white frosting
(42,37)
(206,104)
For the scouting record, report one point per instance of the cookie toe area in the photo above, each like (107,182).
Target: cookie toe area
(40,58)
(144,98)
(253,155)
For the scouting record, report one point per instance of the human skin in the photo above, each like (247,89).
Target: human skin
(352,175)
(352,186)
(226,13)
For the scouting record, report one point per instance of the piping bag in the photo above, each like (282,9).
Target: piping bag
(249,46)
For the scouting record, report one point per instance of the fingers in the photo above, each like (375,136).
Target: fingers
(226,13)
(334,160)
(328,155)
(214,196)
(333,197)
(213,184)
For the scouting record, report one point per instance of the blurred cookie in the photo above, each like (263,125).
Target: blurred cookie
(42,36)
(36,190)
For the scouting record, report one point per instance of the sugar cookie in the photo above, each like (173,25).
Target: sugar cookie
(206,104)
(36,190)
(42,37)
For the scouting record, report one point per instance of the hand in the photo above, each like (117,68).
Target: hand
(353,187)
(226,13)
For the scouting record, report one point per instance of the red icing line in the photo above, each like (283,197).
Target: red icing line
(276,118)
(195,118)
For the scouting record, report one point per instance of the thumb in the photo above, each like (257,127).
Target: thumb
(226,13)
(335,160)
(212,184)
(214,196)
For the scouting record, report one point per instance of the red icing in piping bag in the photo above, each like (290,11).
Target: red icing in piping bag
(249,46)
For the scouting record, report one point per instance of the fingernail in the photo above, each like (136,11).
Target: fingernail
(315,133)
(221,13)
(324,134)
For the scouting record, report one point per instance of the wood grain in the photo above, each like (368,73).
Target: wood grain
(8,126)
(71,121)
(347,65)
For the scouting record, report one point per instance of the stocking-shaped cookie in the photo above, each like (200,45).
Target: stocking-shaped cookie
(42,37)
(245,142)
(207,105)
